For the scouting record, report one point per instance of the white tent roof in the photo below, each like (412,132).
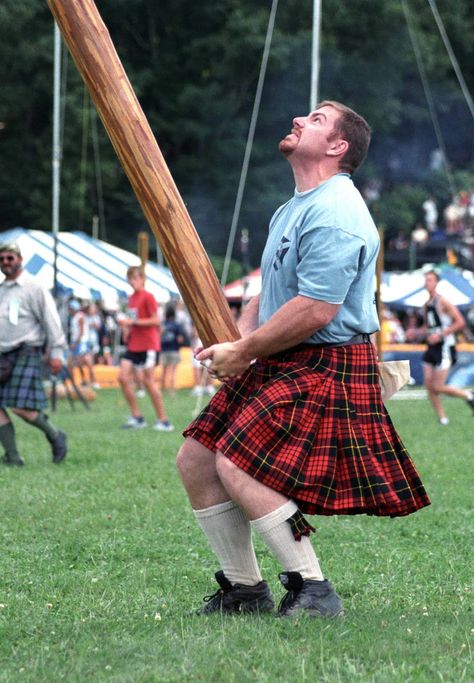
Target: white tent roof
(406,290)
(86,267)
(400,290)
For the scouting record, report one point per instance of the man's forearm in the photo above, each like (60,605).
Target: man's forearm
(294,322)
(248,321)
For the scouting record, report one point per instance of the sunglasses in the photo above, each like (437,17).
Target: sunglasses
(7,258)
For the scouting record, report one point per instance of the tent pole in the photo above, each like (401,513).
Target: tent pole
(315,54)
(56,152)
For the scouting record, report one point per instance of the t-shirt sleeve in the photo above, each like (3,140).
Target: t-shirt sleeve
(151,305)
(328,263)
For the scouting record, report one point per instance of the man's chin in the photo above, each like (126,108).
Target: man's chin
(285,148)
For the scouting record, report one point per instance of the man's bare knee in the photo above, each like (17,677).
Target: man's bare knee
(193,459)
(26,415)
(225,468)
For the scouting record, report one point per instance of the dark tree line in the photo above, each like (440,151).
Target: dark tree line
(194,67)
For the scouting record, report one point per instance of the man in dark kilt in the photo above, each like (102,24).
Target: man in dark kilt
(298,426)
(29,326)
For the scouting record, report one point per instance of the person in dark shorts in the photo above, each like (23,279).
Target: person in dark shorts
(29,327)
(298,426)
(172,339)
(140,330)
(442,321)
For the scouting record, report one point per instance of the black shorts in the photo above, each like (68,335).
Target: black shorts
(440,356)
(142,359)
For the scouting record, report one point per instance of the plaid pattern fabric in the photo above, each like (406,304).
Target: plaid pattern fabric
(299,526)
(310,423)
(24,389)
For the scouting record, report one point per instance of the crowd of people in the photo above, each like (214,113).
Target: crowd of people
(97,335)
(73,337)
(455,221)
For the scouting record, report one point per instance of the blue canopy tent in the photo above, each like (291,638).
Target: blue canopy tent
(86,268)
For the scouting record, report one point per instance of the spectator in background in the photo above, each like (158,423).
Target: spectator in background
(470,324)
(413,327)
(419,234)
(442,321)
(80,348)
(29,326)
(203,383)
(453,215)
(399,242)
(140,331)
(172,339)
(431,214)
(184,319)
(106,334)
(95,324)
(391,328)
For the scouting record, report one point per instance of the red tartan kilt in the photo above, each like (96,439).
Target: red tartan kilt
(311,424)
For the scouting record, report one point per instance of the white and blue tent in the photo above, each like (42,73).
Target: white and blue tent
(406,290)
(86,267)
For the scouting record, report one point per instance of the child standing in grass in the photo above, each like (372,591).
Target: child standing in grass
(140,330)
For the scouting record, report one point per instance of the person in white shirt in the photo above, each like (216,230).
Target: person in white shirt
(29,327)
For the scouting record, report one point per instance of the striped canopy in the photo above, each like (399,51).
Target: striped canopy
(406,290)
(398,290)
(86,267)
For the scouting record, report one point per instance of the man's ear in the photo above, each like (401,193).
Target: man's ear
(338,148)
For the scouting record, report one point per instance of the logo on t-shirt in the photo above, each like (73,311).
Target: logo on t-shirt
(281,252)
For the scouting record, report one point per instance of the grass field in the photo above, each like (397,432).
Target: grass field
(102,560)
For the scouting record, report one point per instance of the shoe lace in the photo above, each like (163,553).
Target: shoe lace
(208,598)
(287,600)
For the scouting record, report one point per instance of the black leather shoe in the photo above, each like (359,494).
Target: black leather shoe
(59,447)
(237,598)
(306,596)
(17,461)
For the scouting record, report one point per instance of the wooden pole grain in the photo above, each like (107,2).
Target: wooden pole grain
(94,54)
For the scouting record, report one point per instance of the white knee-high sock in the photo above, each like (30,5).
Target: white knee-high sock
(294,556)
(230,537)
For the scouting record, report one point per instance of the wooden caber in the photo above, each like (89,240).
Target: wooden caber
(99,65)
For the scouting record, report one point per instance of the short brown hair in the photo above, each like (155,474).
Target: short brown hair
(355,130)
(133,271)
(432,272)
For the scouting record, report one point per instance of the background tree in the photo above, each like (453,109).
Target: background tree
(194,67)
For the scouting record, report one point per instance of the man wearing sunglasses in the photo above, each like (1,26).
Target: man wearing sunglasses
(29,327)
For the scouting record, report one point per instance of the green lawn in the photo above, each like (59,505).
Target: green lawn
(102,560)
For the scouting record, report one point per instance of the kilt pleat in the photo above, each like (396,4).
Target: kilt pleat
(25,389)
(311,424)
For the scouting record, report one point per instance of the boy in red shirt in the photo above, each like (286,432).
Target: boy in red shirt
(140,330)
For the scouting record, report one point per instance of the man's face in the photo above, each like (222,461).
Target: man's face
(137,282)
(431,282)
(10,264)
(310,134)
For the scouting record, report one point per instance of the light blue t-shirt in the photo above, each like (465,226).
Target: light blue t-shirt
(323,244)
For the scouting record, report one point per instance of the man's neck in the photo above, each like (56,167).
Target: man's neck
(310,178)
